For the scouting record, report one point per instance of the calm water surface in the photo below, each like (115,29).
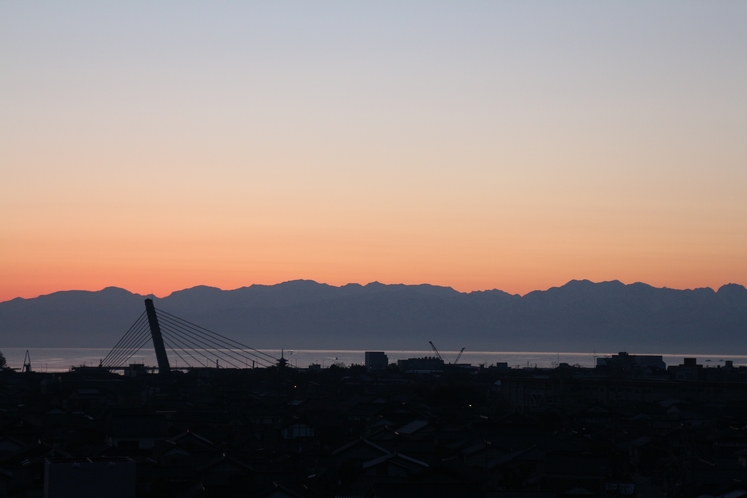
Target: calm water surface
(61,359)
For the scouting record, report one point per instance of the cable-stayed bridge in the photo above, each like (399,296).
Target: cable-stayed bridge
(195,346)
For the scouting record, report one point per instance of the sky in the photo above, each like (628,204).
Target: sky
(156,146)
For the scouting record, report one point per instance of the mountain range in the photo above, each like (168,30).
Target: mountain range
(580,316)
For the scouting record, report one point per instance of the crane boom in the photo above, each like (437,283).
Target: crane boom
(435,351)
(458,356)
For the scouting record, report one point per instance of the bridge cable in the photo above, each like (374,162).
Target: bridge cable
(129,331)
(209,343)
(241,346)
(145,340)
(125,351)
(187,351)
(176,352)
(204,342)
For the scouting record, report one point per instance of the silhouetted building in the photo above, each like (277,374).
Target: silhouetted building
(632,366)
(498,432)
(426,364)
(624,359)
(376,360)
(688,370)
(90,478)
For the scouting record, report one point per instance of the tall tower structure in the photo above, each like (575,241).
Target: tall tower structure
(155,333)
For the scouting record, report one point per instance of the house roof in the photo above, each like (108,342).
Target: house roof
(412,427)
(359,441)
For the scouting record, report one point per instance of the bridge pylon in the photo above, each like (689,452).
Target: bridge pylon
(155,333)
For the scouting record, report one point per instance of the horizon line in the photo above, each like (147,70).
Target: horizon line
(375,282)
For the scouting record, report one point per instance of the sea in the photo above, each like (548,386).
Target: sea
(63,359)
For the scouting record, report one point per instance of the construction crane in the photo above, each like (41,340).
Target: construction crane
(438,355)
(458,356)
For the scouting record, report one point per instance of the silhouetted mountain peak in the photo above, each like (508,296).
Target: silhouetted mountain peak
(733,289)
(587,285)
(197,289)
(576,290)
(576,283)
(421,290)
(580,315)
(733,295)
(493,292)
(115,290)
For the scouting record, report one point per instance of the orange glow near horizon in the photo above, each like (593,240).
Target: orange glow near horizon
(460,256)
(479,146)
(489,235)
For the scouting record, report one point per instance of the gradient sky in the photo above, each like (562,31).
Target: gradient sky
(514,145)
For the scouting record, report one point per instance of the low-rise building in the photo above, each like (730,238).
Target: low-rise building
(376,361)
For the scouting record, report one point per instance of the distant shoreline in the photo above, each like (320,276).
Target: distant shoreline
(61,359)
